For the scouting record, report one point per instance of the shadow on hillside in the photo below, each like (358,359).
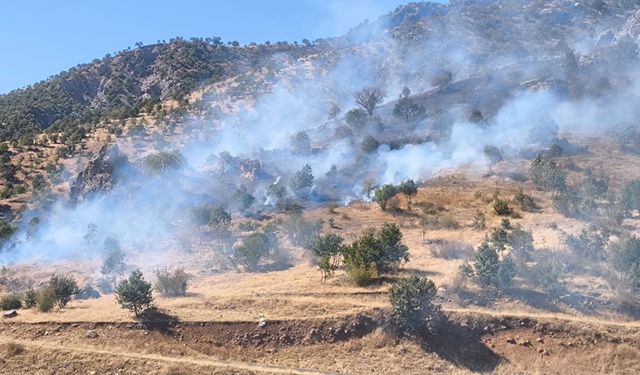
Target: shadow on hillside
(154,319)
(462,347)
(535,299)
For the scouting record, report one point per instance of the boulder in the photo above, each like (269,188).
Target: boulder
(9,314)
(103,172)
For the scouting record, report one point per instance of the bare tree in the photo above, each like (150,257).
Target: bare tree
(368,98)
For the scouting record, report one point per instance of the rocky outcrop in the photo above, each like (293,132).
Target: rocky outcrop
(104,171)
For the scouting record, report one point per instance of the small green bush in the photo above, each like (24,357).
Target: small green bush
(30,299)
(46,299)
(523,200)
(413,306)
(11,302)
(172,284)
(64,287)
(502,208)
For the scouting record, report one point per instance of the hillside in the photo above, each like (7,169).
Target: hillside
(451,188)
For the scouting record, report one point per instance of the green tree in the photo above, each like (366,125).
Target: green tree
(301,143)
(160,162)
(327,248)
(409,189)
(369,144)
(407,109)
(412,301)
(546,174)
(356,118)
(63,287)
(243,198)
(383,194)
(113,261)
(255,247)
(302,181)
(134,293)
(369,98)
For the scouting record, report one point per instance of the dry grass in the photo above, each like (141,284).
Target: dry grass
(14,349)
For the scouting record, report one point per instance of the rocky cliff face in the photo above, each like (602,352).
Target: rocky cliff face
(104,171)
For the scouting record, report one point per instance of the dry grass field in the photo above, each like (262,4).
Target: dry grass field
(288,321)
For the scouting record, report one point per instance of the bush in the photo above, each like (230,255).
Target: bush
(479,221)
(30,298)
(589,244)
(302,181)
(11,302)
(327,248)
(114,261)
(568,203)
(64,287)
(407,109)
(163,161)
(14,349)
(356,118)
(489,270)
(546,174)
(301,232)
(255,247)
(524,201)
(382,195)
(46,299)
(546,273)
(375,253)
(369,144)
(134,293)
(172,284)
(413,306)
(502,208)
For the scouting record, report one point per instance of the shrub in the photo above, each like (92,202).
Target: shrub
(327,248)
(30,298)
(113,262)
(382,195)
(369,144)
(631,196)
(375,253)
(521,242)
(134,293)
(163,161)
(300,231)
(568,203)
(413,306)
(172,284)
(524,201)
(502,208)
(546,273)
(11,302)
(590,243)
(479,221)
(46,299)
(302,181)
(546,174)
(14,349)
(356,118)
(407,109)
(255,247)
(64,287)
(490,271)
(409,189)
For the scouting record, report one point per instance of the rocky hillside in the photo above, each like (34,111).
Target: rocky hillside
(132,81)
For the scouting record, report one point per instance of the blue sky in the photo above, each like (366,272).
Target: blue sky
(43,37)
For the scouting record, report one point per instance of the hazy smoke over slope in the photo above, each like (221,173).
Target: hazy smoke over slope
(525,98)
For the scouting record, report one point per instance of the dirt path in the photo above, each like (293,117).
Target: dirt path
(202,362)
